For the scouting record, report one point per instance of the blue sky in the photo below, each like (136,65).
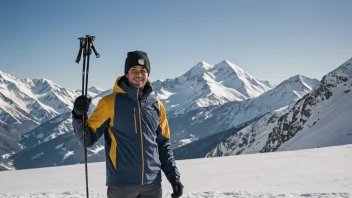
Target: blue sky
(271,40)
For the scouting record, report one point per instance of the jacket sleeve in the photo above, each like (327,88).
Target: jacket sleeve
(166,156)
(96,125)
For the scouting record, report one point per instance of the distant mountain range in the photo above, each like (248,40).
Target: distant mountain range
(25,103)
(210,120)
(320,118)
(212,110)
(206,85)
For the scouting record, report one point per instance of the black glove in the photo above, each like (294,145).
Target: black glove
(81,105)
(177,187)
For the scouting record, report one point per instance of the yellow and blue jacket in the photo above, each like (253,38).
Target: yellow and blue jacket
(137,136)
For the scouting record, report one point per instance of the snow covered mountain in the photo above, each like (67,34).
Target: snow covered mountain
(48,130)
(48,143)
(25,103)
(210,120)
(319,119)
(49,133)
(8,145)
(37,108)
(206,85)
(61,150)
(200,148)
(52,144)
(93,91)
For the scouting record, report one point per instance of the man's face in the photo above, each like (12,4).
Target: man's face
(137,76)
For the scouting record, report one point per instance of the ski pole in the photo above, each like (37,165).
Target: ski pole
(86,45)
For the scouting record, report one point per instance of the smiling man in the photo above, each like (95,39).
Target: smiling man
(136,132)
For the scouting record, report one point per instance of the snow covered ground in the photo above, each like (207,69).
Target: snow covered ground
(321,172)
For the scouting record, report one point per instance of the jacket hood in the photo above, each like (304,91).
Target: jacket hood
(117,86)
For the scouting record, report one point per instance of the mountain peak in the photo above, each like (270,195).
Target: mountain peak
(203,64)
(297,77)
(226,64)
(342,73)
(3,73)
(300,77)
(226,61)
(45,84)
(159,81)
(7,76)
(346,68)
(198,70)
(44,80)
(298,82)
(94,91)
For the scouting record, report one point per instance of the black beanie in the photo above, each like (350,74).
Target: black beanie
(137,58)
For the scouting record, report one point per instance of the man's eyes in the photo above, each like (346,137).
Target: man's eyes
(141,71)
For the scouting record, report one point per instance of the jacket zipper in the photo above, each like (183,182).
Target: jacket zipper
(135,122)
(140,125)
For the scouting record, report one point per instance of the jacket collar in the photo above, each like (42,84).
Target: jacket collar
(122,86)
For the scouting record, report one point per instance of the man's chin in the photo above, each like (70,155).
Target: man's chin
(137,85)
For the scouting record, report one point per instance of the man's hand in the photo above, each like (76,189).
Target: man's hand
(81,105)
(177,187)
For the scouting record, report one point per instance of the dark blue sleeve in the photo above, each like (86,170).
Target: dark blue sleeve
(166,157)
(92,137)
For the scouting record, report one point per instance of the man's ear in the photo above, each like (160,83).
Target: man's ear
(126,75)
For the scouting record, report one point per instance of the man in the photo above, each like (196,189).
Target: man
(136,132)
